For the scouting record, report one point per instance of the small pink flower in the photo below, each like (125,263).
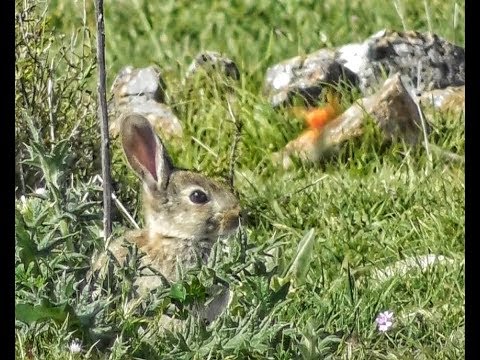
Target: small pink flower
(384,320)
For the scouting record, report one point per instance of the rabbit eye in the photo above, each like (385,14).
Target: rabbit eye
(198,197)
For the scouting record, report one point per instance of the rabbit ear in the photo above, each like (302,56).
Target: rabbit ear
(145,151)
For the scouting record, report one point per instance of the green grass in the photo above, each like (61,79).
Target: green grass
(369,207)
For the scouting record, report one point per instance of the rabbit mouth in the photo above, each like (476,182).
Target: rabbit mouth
(223,224)
(224,233)
(229,225)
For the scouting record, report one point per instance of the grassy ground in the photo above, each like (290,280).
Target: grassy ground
(362,212)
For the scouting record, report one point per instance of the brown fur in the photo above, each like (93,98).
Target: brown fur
(177,230)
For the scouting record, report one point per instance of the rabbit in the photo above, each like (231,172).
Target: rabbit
(185,213)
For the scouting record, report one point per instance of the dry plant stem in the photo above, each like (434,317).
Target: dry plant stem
(310,185)
(236,139)
(447,154)
(455,17)
(21,173)
(50,105)
(120,206)
(107,197)
(424,130)
(422,119)
(399,8)
(427,13)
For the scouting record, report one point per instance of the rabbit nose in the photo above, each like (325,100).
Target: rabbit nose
(231,219)
(233,214)
(237,213)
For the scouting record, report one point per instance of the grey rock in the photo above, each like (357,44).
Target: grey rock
(160,116)
(142,91)
(392,107)
(451,98)
(212,61)
(146,82)
(428,60)
(305,76)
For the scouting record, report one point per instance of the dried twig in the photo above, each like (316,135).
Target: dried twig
(447,154)
(21,174)
(427,12)
(236,140)
(420,112)
(455,22)
(288,196)
(120,206)
(50,96)
(107,198)
(400,11)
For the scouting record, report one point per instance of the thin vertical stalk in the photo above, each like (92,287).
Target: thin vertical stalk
(103,114)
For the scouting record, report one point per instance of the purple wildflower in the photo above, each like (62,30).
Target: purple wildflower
(384,320)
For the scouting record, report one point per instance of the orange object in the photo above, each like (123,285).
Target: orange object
(317,118)
(307,144)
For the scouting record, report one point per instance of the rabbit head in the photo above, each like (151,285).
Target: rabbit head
(177,203)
